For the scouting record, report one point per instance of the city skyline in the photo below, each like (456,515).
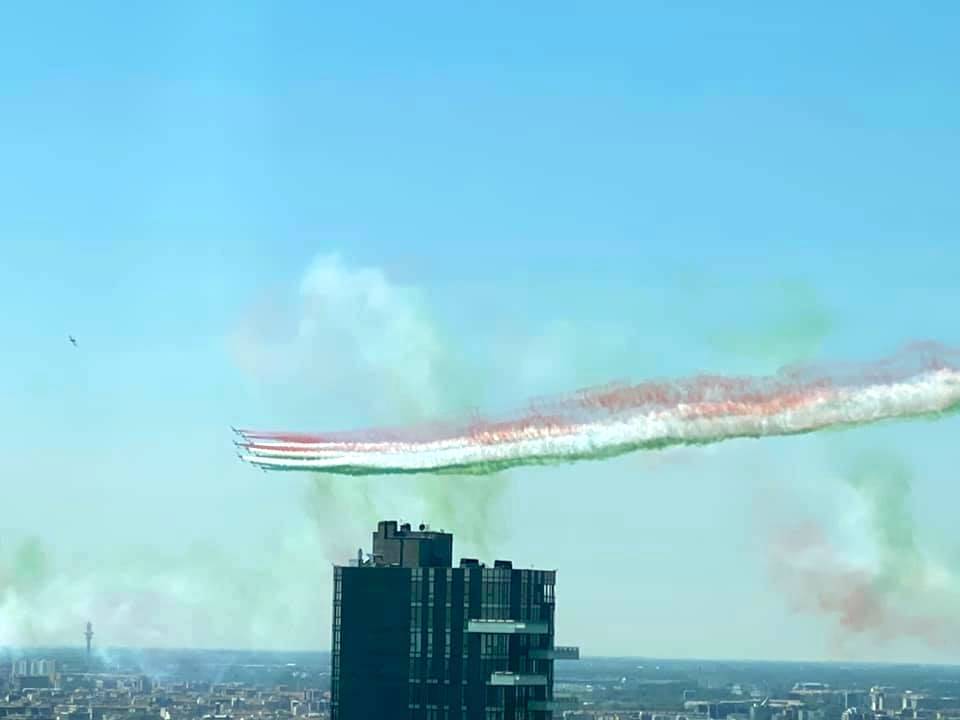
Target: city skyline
(179,685)
(292,216)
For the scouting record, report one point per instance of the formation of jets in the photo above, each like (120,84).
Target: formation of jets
(73,340)
(238,445)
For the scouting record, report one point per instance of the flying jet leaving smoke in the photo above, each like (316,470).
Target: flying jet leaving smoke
(921,380)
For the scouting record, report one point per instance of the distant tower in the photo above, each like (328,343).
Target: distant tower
(89,636)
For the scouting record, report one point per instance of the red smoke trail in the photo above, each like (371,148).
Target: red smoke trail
(616,419)
(708,396)
(816,578)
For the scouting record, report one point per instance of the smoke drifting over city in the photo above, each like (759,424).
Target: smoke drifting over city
(474,361)
(330,351)
(145,597)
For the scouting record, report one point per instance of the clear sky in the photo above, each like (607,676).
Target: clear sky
(317,215)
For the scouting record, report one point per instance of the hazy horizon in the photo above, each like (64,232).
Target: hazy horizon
(583,656)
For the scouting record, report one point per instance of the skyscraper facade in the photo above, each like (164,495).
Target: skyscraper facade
(416,638)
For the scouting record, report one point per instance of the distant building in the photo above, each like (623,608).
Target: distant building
(33,674)
(32,682)
(43,667)
(717,710)
(852,714)
(415,638)
(856,699)
(878,699)
(761,711)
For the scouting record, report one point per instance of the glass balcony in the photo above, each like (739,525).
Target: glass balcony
(509,679)
(507,627)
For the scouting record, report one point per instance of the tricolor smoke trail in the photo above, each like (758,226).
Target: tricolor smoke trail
(921,380)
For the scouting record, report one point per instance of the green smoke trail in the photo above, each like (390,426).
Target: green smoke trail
(605,452)
(30,566)
(339,511)
(466,504)
(354,326)
(22,576)
(793,328)
(467,508)
(883,481)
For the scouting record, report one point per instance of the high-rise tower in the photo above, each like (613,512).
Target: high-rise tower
(89,636)
(415,638)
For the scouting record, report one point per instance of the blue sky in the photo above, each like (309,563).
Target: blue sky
(583,192)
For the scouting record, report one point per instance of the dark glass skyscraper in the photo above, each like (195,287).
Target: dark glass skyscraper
(415,638)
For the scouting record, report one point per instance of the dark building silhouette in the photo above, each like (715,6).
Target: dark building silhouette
(415,638)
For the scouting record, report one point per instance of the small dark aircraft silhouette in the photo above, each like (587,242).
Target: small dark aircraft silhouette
(73,340)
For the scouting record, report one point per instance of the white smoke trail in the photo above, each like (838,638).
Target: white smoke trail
(735,409)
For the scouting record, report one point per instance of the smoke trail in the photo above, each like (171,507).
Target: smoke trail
(922,380)
(470,506)
(342,512)
(791,326)
(351,327)
(895,589)
(28,567)
(883,482)
(351,510)
(204,597)
(22,576)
